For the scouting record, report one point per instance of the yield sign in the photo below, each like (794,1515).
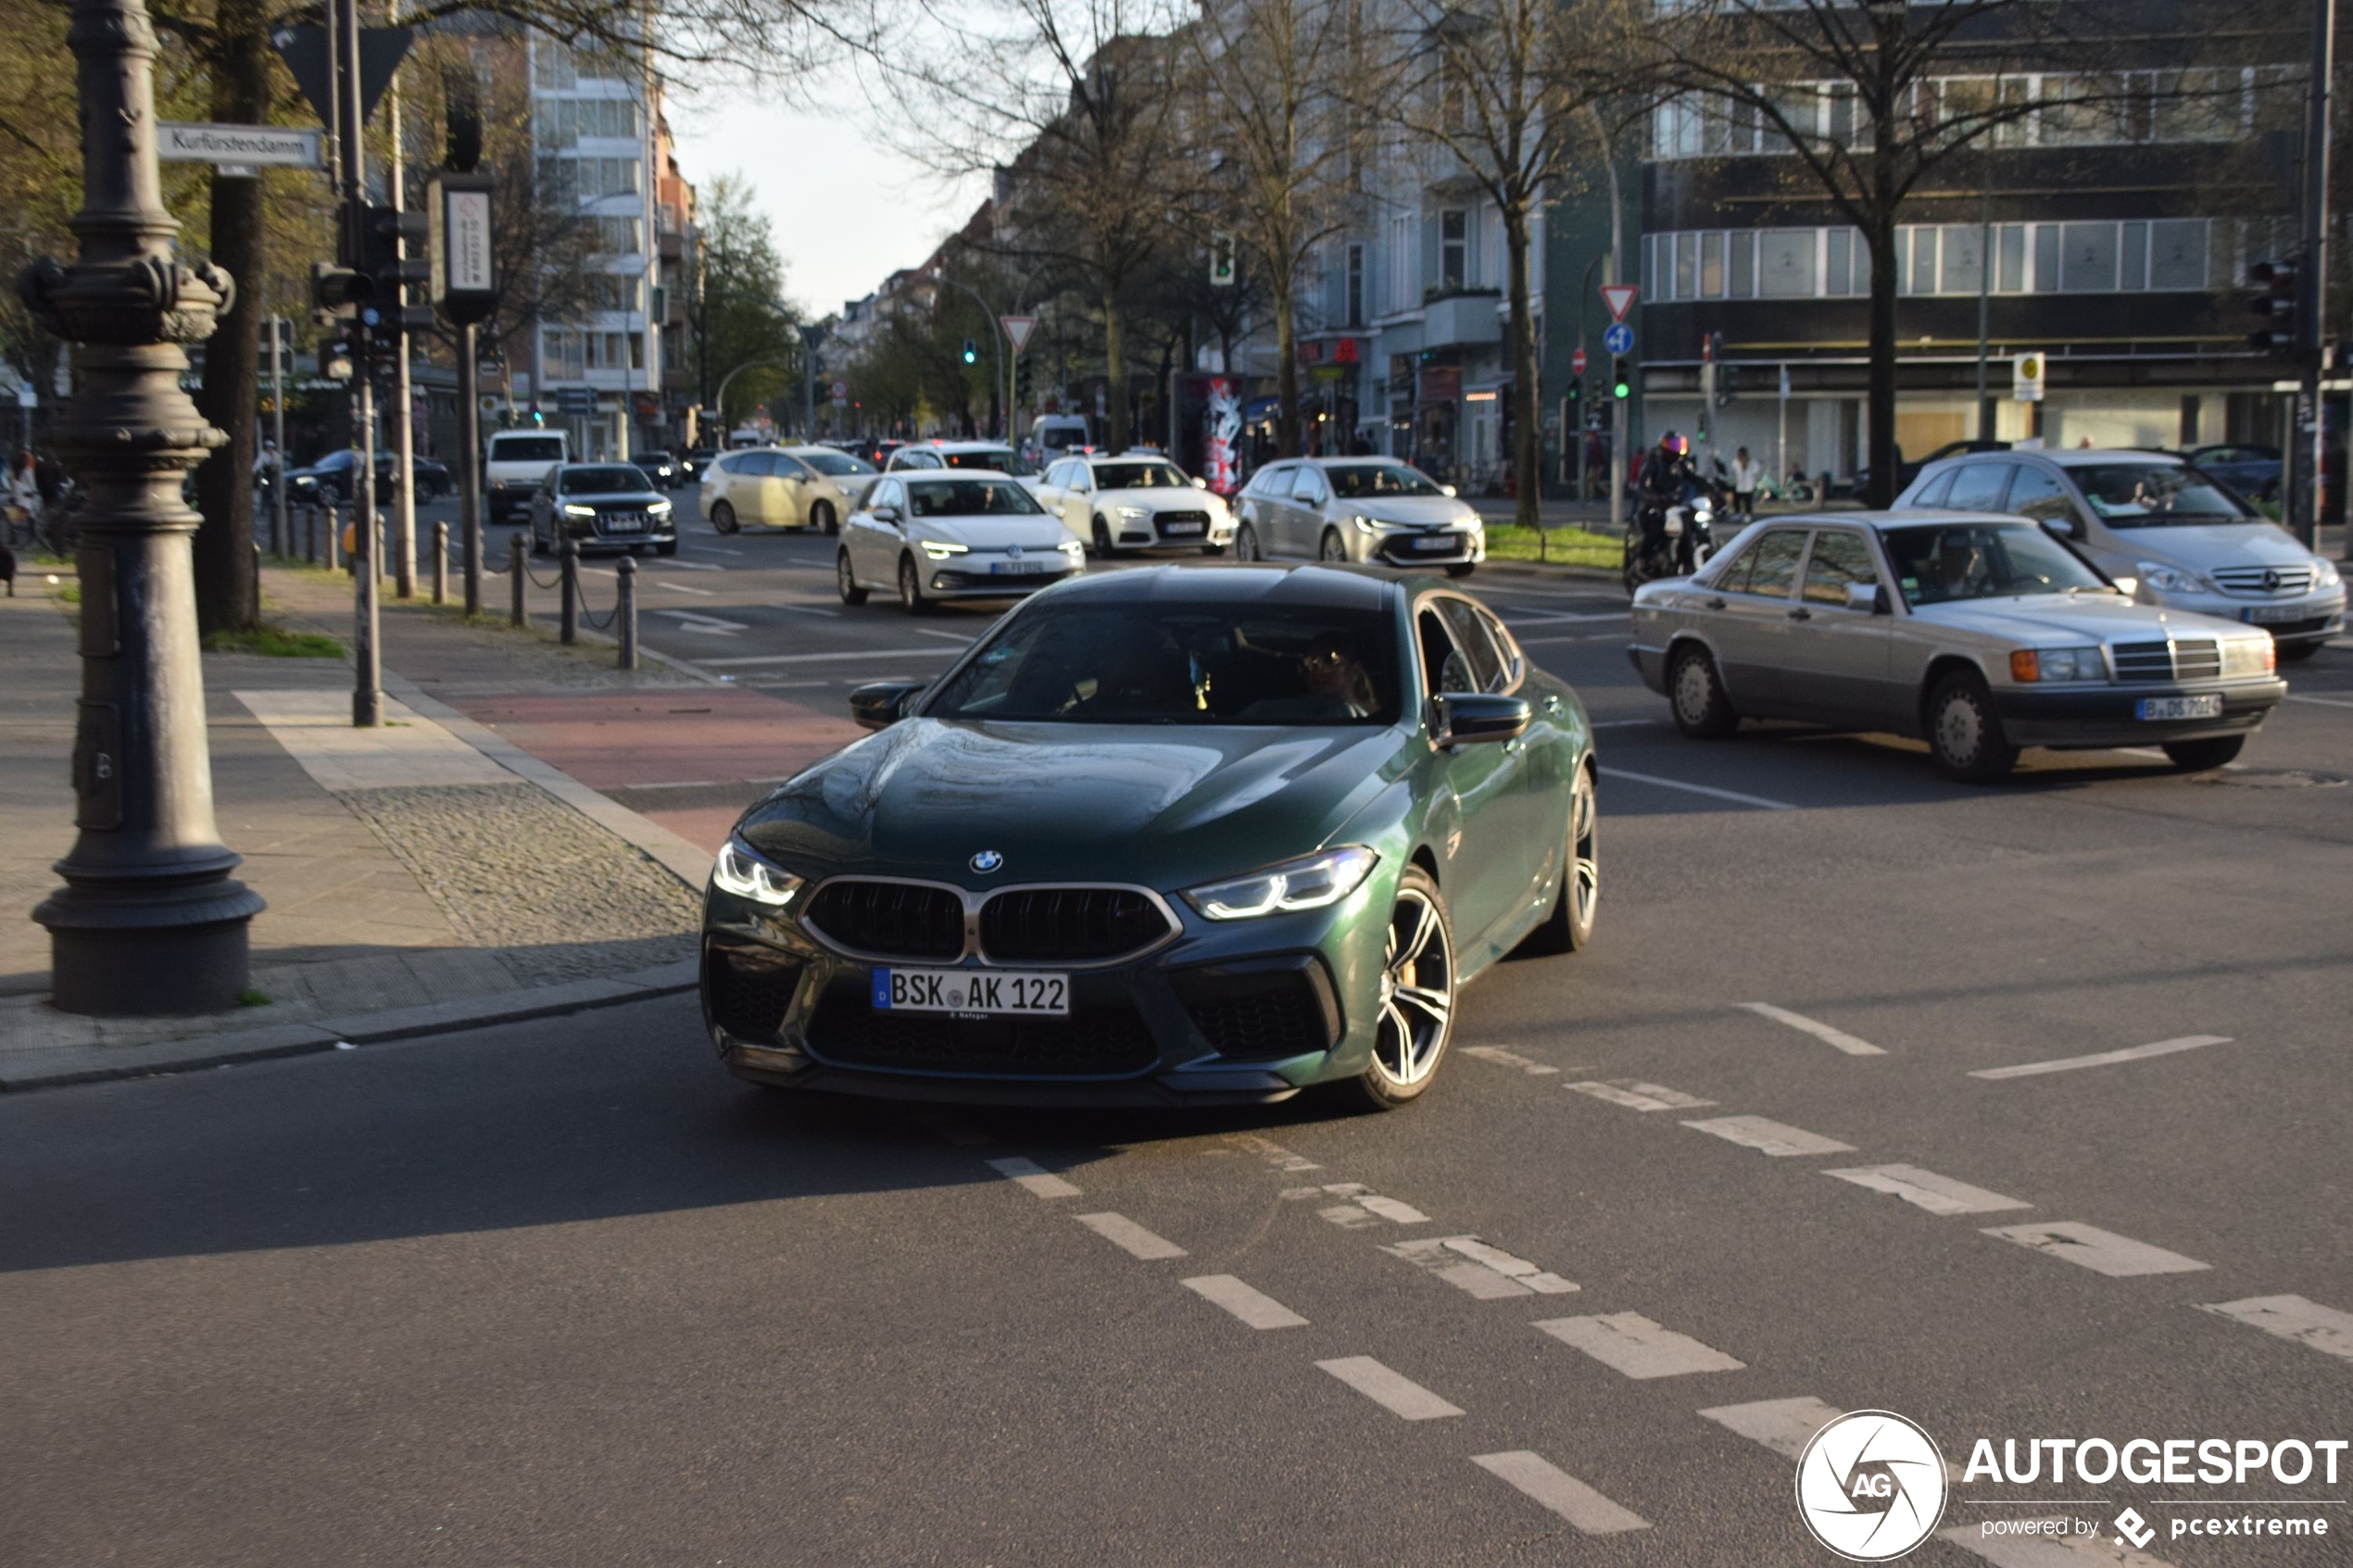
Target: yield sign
(1017,330)
(1620,297)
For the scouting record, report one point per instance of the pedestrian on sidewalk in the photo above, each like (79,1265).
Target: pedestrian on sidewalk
(1746,474)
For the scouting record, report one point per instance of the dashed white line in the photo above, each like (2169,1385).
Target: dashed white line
(1032,1177)
(1709,790)
(808,609)
(674,565)
(2101,1251)
(1820,1031)
(1633,1344)
(2292,1317)
(949,636)
(1395,1393)
(2322,701)
(1635,1094)
(1770,1138)
(834,656)
(1125,1233)
(1550,1486)
(1783,1425)
(1479,1271)
(1503,1058)
(1363,1208)
(2104,1059)
(681,587)
(1926,1189)
(1253,1306)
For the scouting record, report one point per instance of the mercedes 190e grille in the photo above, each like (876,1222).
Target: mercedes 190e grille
(2200,659)
(899,920)
(1068,924)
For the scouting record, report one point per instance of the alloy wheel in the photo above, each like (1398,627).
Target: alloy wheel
(1584,848)
(1418,990)
(1246,543)
(723,517)
(1331,548)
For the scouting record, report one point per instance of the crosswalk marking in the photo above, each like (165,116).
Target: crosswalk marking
(1839,1038)
(1125,1233)
(2292,1317)
(1770,1138)
(1364,1207)
(2104,1059)
(1395,1393)
(1032,1177)
(1253,1307)
(2048,1551)
(1926,1189)
(1540,1479)
(1633,1344)
(1484,1272)
(1275,1154)
(2101,1251)
(1783,1425)
(1503,1058)
(1635,1094)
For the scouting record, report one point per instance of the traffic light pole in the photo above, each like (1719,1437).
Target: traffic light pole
(367,693)
(470,454)
(996,343)
(404,427)
(2314,336)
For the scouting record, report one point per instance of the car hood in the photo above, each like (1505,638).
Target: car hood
(2203,545)
(2037,618)
(1420,511)
(1031,531)
(1155,805)
(1160,498)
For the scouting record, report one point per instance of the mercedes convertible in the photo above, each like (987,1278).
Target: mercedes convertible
(1210,834)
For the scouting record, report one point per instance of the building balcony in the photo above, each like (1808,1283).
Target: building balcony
(1461,320)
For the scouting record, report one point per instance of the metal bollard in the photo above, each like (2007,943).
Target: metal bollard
(332,526)
(310,534)
(518,579)
(440,561)
(568,622)
(625,614)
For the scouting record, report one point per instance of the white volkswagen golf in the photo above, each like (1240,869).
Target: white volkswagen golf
(960,534)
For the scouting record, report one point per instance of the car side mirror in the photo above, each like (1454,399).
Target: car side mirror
(1199,483)
(883,703)
(1462,718)
(1865,596)
(2065,527)
(1446,490)
(885,514)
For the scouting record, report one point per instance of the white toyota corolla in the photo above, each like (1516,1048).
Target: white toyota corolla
(960,535)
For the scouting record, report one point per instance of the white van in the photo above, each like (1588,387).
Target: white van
(513,462)
(1055,434)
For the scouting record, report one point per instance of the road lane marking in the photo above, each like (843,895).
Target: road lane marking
(1032,1177)
(1549,1486)
(834,656)
(1481,1272)
(2293,1318)
(1503,1058)
(2102,1251)
(2323,701)
(1253,1307)
(1839,1038)
(808,609)
(1710,790)
(1783,1425)
(1530,615)
(713,550)
(1568,637)
(1633,1344)
(672,564)
(1770,1138)
(1635,1094)
(1398,1395)
(1623,723)
(1275,1154)
(1926,1189)
(2049,1552)
(681,587)
(695,621)
(1123,1232)
(1365,1206)
(957,637)
(2104,1059)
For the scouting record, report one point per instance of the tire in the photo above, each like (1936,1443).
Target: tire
(1964,732)
(1246,543)
(821,518)
(1213,549)
(666,548)
(1330,548)
(846,580)
(2298,653)
(2198,756)
(1569,928)
(1462,569)
(1103,540)
(723,517)
(911,588)
(1695,693)
(1417,1016)
(538,547)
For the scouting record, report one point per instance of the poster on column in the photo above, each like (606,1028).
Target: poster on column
(1220,431)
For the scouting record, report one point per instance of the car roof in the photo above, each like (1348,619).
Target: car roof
(1262,582)
(1904,517)
(935,476)
(2066,457)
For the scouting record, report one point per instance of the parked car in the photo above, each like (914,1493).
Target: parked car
(1161,838)
(931,535)
(1358,509)
(514,464)
(329,481)
(795,487)
(2151,520)
(2253,472)
(603,506)
(1982,633)
(1137,501)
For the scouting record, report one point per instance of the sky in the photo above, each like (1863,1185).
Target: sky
(845,209)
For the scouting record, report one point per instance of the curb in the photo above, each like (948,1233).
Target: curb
(91,1064)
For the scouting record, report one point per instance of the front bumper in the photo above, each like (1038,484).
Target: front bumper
(1412,548)
(1189,529)
(2104,716)
(2313,616)
(598,535)
(975,576)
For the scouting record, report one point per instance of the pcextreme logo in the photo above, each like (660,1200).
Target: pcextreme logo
(1870,1485)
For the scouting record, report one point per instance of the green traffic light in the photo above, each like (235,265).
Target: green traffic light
(1621,390)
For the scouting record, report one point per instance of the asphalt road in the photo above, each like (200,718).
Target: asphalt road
(564,1293)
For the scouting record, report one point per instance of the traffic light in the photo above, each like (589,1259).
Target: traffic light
(972,351)
(2276,301)
(337,293)
(1221,260)
(385,233)
(1020,382)
(1576,395)
(335,358)
(1621,386)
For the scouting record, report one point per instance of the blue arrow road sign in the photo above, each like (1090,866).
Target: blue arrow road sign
(1619,339)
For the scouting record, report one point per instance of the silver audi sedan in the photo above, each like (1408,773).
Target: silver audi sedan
(1983,634)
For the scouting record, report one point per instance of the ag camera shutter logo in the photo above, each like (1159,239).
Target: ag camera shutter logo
(1870,1485)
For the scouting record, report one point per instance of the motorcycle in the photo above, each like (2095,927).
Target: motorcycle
(1680,546)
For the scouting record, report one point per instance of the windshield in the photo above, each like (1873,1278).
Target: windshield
(1182,664)
(1001,458)
(2156,495)
(1943,564)
(618,478)
(969,497)
(835,464)
(1140,476)
(1371,482)
(528,449)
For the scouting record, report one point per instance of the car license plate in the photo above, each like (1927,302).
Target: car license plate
(2266,615)
(624,522)
(985,992)
(1174,528)
(1434,542)
(1017,567)
(2206,707)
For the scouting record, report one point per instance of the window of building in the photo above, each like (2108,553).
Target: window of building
(2010,270)
(620,236)
(1711,266)
(1963,259)
(2178,251)
(1453,249)
(1404,291)
(2046,258)
(1743,264)
(1686,266)
(1786,264)
(1354,302)
(2089,257)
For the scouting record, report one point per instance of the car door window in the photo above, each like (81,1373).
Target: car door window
(1771,564)
(887,494)
(1477,648)
(1839,558)
(1445,668)
(789,468)
(1938,488)
(1515,662)
(1308,488)
(1978,488)
(2037,495)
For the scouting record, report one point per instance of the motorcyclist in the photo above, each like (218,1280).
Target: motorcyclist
(1669,480)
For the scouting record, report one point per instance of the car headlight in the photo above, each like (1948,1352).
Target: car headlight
(745,875)
(2170,579)
(1310,882)
(2250,656)
(1074,550)
(1135,514)
(659,508)
(2325,575)
(1367,524)
(2058,664)
(580,511)
(940,549)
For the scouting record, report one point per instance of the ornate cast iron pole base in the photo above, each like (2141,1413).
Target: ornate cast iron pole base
(149,920)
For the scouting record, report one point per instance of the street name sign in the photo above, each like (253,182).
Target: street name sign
(249,146)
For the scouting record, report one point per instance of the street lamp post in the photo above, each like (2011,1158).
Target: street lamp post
(149,920)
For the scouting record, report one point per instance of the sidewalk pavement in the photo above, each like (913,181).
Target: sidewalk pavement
(458,866)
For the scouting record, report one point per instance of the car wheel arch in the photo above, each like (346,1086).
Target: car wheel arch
(1940,666)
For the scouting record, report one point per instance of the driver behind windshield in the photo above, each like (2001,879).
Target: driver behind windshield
(1333,688)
